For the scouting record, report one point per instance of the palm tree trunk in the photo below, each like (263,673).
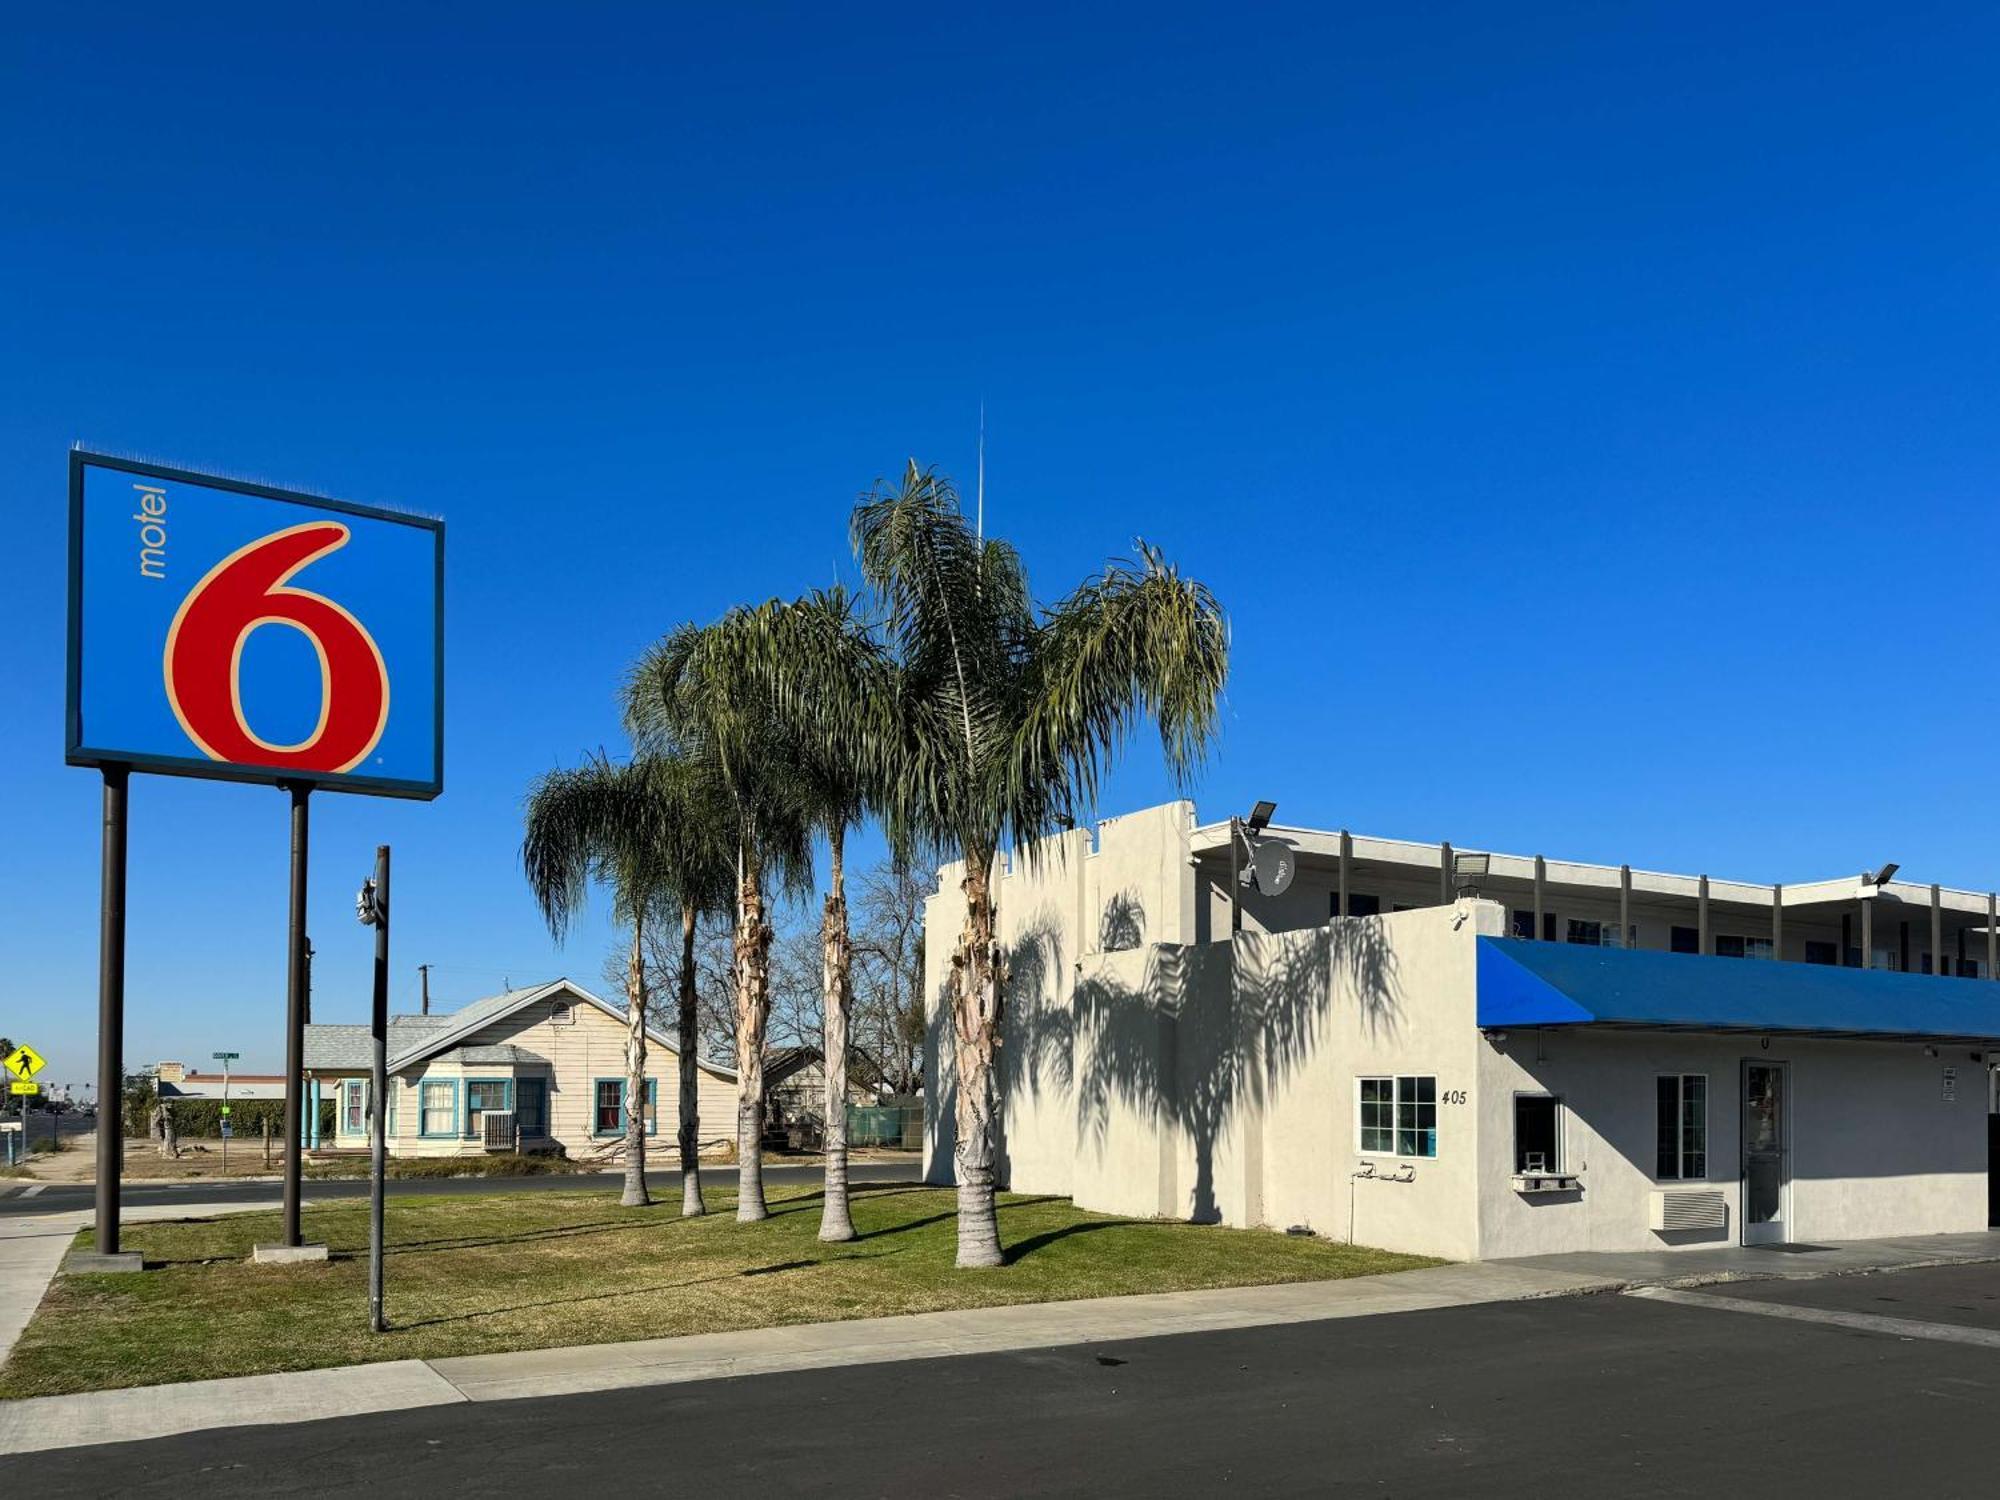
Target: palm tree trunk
(690,1079)
(976,1018)
(635,1070)
(753,1007)
(834,1222)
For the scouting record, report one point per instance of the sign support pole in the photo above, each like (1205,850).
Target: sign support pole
(111,1009)
(379,1026)
(295,1014)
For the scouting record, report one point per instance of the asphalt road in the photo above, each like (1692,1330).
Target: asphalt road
(57,1196)
(1600,1395)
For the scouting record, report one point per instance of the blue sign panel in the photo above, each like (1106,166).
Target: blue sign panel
(230,630)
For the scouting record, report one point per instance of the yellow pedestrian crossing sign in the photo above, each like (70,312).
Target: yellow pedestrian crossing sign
(24,1062)
(17,1087)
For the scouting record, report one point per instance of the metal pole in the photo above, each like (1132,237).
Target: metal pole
(1235,888)
(225,1117)
(1625,937)
(379,1022)
(1937,930)
(1541,876)
(295,1014)
(111,1010)
(1703,942)
(1444,874)
(1346,859)
(1778,922)
(1867,934)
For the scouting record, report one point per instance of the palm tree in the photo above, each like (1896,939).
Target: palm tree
(604,822)
(703,691)
(693,855)
(1009,715)
(833,688)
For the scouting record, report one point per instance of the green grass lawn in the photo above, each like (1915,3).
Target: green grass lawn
(475,1275)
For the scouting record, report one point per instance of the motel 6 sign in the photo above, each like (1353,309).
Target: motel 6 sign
(231,630)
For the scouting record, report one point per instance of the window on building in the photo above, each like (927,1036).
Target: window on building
(611,1106)
(1822,953)
(483,1096)
(438,1101)
(357,1106)
(1358,905)
(1686,940)
(1683,1127)
(531,1105)
(1522,925)
(1537,1134)
(1398,1116)
(395,1090)
(1590,934)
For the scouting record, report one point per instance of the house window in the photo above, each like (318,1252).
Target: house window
(1522,925)
(1537,1134)
(611,1106)
(482,1096)
(1822,953)
(395,1089)
(1590,934)
(531,1106)
(357,1107)
(440,1102)
(1686,940)
(1358,905)
(1398,1116)
(1683,1127)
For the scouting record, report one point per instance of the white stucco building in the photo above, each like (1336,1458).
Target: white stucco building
(1480,1055)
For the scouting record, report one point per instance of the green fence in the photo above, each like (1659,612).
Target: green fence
(895,1125)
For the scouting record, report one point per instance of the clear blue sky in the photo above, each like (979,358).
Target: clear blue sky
(1586,414)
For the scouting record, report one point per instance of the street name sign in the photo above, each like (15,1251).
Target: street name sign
(232,630)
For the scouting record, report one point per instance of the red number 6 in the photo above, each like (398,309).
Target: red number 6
(204,656)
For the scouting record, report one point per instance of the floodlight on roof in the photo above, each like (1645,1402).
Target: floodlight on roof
(1260,816)
(1884,875)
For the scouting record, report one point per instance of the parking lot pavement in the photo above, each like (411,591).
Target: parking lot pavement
(1951,1296)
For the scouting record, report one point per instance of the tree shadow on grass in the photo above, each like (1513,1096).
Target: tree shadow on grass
(1017,1252)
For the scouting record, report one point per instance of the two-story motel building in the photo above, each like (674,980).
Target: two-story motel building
(1481,1055)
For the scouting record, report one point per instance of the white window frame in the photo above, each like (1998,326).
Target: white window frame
(1397,1101)
(1680,1138)
(449,1109)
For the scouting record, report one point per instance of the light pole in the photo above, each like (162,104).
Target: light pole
(372,907)
(225,1058)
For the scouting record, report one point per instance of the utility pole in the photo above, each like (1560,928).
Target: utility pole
(372,907)
(425,970)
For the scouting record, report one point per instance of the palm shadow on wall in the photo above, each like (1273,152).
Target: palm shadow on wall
(1193,1053)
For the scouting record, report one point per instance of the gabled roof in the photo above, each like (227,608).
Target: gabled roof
(1526,983)
(416,1039)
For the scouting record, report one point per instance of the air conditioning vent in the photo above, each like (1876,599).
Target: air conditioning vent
(561,1015)
(497,1129)
(1688,1208)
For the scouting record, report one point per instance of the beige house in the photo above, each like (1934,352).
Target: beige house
(536,1069)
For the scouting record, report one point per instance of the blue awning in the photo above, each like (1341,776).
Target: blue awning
(1526,983)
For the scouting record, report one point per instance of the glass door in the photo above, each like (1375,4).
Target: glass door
(1767,1156)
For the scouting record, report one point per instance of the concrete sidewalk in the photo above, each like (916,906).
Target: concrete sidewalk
(50,1422)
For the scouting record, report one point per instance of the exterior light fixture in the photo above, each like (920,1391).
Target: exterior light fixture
(365,910)
(1884,875)
(1260,816)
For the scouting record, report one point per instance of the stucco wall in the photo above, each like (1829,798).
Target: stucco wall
(1876,1149)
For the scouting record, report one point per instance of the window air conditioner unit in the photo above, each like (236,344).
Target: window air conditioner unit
(1687,1208)
(497,1129)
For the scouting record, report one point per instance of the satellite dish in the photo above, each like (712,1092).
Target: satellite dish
(1273,865)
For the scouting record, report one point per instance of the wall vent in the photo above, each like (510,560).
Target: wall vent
(1688,1208)
(561,1015)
